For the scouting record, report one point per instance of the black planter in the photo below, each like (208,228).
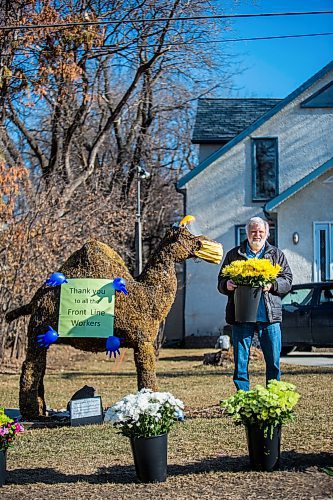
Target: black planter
(264,448)
(3,469)
(246,303)
(150,458)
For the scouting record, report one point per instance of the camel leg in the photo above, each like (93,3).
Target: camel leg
(32,403)
(145,361)
(41,391)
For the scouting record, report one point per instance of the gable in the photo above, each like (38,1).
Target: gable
(254,126)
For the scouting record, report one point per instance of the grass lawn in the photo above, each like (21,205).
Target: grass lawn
(207,453)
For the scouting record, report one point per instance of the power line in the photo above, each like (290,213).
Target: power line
(161,19)
(231,40)
(191,42)
(250,39)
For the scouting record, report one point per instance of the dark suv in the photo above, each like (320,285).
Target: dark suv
(307,317)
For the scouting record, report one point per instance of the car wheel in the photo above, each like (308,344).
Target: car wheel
(287,350)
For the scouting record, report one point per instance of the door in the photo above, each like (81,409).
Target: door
(322,317)
(323,251)
(296,316)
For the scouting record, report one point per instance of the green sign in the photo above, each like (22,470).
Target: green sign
(86,308)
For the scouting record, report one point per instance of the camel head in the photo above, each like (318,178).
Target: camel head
(185,245)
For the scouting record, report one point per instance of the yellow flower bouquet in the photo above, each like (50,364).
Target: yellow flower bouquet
(252,272)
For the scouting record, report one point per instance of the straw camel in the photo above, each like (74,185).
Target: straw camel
(137,315)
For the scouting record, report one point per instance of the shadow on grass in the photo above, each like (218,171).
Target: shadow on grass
(116,474)
(295,461)
(71,375)
(322,370)
(217,371)
(194,357)
(291,461)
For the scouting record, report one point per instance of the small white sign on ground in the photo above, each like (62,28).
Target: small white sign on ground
(86,411)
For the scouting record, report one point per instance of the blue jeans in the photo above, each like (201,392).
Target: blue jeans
(270,342)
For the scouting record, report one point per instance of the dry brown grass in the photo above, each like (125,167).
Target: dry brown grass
(207,454)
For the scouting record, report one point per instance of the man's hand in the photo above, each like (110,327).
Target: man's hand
(267,287)
(231,285)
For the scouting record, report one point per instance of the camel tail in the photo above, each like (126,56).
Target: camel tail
(20,311)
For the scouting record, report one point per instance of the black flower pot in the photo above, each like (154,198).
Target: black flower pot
(264,447)
(150,458)
(246,303)
(3,468)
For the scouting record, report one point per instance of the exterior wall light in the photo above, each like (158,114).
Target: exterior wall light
(295,238)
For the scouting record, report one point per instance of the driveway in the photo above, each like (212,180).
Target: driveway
(308,358)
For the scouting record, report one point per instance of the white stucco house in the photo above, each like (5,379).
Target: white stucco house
(271,158)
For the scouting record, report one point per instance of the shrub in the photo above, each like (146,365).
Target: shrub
(265,407)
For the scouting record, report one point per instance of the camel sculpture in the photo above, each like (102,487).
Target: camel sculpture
(137,315)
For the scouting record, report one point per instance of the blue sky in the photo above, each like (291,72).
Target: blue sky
(274,68)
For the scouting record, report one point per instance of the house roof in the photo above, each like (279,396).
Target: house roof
(215,156)
(220,120)
(301,184)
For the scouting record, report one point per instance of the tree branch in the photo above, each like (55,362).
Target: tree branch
(31,141)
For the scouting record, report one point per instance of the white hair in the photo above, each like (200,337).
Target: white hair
(257,221)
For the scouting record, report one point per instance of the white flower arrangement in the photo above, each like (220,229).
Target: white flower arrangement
(145,414)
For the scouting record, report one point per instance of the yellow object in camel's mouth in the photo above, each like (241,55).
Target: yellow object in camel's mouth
(211,251)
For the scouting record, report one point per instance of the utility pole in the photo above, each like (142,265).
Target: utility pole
(142,174)
(138,229)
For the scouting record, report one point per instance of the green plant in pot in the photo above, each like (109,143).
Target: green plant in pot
(263,411)
(146,418)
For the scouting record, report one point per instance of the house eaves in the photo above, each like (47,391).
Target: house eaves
(301,184)
(264,118)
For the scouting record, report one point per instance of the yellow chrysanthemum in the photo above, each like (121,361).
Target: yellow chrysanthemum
(253,272)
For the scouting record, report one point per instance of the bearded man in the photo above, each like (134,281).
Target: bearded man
(269,314)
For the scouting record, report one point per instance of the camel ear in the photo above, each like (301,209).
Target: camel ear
(186,220)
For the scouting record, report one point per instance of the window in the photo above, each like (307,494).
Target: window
(265,168)
(241,234)
(326,296)
(298,297)
(323,251)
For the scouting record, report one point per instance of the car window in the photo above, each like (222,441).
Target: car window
(300,297)
(326,296)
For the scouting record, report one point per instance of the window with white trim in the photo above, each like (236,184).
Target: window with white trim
(323,251)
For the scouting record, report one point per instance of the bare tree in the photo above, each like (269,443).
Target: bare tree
(82,106)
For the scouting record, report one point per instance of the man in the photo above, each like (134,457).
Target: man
(269,310)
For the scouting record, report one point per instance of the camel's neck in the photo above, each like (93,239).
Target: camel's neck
(159,282)
(159,269)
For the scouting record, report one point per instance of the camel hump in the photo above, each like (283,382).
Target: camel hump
(99,247)
(96,260)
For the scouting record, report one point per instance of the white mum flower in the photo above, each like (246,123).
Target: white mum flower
(153,409)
